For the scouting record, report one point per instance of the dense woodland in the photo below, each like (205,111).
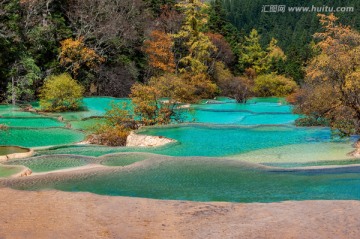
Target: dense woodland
(294,31)
(180,50)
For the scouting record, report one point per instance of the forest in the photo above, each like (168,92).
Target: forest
(184,51)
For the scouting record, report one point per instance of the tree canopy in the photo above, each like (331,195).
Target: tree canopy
(332,89)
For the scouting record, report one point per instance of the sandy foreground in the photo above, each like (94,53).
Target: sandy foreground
(55,214)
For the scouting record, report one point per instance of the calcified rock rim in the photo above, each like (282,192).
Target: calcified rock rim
(135,139)
(17,155)
(23,171)
(95,166)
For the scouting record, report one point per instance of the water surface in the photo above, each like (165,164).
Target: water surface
(229,152)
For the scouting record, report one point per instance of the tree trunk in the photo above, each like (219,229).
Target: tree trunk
(13,95)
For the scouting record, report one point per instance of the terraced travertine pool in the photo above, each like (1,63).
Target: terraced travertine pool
(226,152)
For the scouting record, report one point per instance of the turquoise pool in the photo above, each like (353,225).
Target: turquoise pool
(226,152)
(202,179)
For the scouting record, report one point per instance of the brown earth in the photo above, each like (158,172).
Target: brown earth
(55,214)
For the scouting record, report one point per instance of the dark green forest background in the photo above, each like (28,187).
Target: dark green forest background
(31,32)
(293,31)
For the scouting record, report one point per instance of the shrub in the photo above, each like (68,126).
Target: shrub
(4,127)
(157,101)
(311,121)
(118,124)
(110,136)
(239,88)
(61,93)
(274,85)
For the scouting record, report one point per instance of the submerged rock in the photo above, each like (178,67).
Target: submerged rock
(4,127)
(138,140)
(356,152)
(25,173)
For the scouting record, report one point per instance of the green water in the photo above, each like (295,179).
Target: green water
(261,107)
(8,171)
(268,111)
(227,141)
(5,150)
(300,153)
(343,162)
(123,159)
(50,163)
(242,118)
(31,122)
(214,141)
(264,154)
(86,124)
(34,130)
(14,111)
(94,106)
(39,137)
(210,180)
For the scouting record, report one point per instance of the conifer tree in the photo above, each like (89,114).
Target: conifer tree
(252,55)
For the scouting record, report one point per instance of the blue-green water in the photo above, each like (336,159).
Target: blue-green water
(123,159)
(94,106)
(36,137)
(50,163)
(210,180)
(9,171)
(214,141)
(263,150)
(31,122)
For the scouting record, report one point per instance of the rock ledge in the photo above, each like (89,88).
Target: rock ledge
(138,140)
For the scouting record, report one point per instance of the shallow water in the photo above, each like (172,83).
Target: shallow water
(5,150)
(252,136)
(14,111)
(209,180)
(86,124)
(94,106)
(8,171)
(31,122)
(300,153)
(123,159)
(28,137)
(227,141)
(50,163)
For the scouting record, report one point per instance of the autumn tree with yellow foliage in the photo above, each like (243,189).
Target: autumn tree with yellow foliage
(156,101)
(74,55)
(158,48)
(61,93)
(182,68)
(332,90)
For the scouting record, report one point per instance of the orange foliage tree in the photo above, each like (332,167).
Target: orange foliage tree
(159,51)
(74,55)
(157,101)
(223,52)
(333,77)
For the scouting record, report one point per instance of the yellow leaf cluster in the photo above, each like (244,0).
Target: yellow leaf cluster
(75,55)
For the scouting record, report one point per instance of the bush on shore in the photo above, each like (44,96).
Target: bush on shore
(61,93)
